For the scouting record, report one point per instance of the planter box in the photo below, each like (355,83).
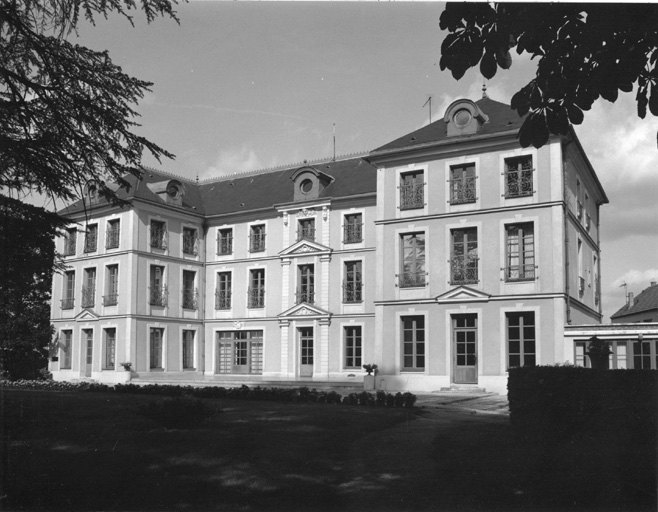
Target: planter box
(369,382)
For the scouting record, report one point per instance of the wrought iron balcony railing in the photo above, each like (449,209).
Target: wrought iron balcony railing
(112,238)
(222,299)
(190,299)
(190,243)
(306,234)
(158,296)
(88,296)
(412,196)
(307,295)
(91,242)
(462,190)
(412,279)
(257,243)
(68,303)
(158,237)
(256,297)
(352,292)
(353,233)
(525,272)
(463,270)
(111,299)
(518,183)
(224,245)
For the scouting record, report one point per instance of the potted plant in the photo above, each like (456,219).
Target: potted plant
(126,365)
(598,352)
(369,379)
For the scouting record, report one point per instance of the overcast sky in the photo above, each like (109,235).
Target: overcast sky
(244,86)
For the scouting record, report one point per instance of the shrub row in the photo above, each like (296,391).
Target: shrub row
(243,392)
(560,401)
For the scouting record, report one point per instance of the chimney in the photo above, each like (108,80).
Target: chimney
(653,283)
(630,298)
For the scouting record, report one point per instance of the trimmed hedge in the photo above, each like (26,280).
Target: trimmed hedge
(560,401)
(243,392)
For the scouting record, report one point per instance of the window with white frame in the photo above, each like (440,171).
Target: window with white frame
(306,284)
(464,260)
(462,184)
(68,296)
(353,228)
(190,241)
(109,352)
(224,241)
(188,349)
(412,190)
(158,234)
(353,283)
(353,346)
(112,234)
(156,346)
(521,339)
(111,297)
(257,238)
(520,252)
(89,288)
(70,242)
(91,238)
(518,176)
(66,349)
(412,260)
(158,288)
(413,342)
(224,290)
(306,230)
(256,292)
(190,299)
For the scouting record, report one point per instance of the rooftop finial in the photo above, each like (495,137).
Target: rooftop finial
(484,89)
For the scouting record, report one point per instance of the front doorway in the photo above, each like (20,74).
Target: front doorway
(305,351)
(464,342)
(89,351)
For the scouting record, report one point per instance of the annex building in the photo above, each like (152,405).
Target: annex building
(444,257)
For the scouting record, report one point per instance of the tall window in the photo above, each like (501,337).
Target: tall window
(257,238)
(156,346)
(413,342)
(618,357)
(464,261)
(581,269)
(110,349)
(89,288)
(520,264)
(518,176)
(188,349)
(158,234)
(240,352)
(66,349)
(91,238)
(112,234)
(412,273)
(257,288)
(521,339)
(412,190)
(224,241)
(69,242)
(306,229)
(190,295)
(158,290)
(353,347)
(223,292)
(462,184)
(190,241)
(306,288)
(111,297)
(69,290)
(353,228)
(353,283)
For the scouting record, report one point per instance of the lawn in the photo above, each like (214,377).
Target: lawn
(94,451)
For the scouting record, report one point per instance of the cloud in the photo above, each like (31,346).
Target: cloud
(229,161)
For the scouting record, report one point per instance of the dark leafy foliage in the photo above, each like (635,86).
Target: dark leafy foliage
(300,395)
(584,51)
(28,250)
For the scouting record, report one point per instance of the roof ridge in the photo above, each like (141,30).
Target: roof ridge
(282,167)
(167,173)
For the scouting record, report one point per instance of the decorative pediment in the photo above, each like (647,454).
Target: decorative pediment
(304,310)
(463,294)
(305,247)
(86,315)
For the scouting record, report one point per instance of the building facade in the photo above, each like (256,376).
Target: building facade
(445,257)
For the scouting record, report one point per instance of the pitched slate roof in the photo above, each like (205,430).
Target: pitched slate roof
(256,191)
(250,191)
(501,119)
(645,301)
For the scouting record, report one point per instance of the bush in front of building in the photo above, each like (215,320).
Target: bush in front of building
(300,395)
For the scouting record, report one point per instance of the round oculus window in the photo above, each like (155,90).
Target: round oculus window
(173,191)
(462,117)
(306,186)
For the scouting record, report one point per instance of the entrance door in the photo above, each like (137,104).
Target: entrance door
(306,351)
(89,356)
(464,336)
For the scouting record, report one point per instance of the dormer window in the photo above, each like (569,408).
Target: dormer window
(306,186)
(464,117)
(173,190)
(309,183)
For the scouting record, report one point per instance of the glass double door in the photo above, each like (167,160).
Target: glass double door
(306,349)
(464,342)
